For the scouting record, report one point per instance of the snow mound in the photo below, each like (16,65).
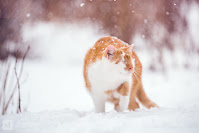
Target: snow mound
(72,121)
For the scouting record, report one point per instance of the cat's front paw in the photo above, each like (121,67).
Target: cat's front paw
(133,106)
(152,105)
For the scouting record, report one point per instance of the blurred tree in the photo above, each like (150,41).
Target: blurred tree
(121,18)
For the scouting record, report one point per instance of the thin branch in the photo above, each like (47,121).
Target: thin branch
(19,95)
(21,71)
(15,87)
(4,86)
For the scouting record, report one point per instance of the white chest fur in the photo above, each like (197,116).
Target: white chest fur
(104,75)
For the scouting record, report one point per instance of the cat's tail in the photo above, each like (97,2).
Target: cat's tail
(142,97)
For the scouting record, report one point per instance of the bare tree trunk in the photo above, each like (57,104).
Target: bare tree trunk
(123,21)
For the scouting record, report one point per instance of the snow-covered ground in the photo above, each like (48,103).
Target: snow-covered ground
(61,103)
(58,101)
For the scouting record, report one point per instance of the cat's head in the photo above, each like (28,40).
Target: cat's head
(122,55)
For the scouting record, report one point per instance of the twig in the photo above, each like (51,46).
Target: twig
(19,95)
(15,87)
(4,86)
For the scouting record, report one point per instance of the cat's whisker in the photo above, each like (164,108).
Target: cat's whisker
(137,74)
(138,70)
(135,77)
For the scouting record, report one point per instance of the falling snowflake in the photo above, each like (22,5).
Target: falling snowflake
(28,15)
(143,36)
(82,4)
(145,21)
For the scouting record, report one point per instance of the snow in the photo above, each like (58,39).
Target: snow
(176,94)
(28,15)
(82,4)
(89,122)
(59,102)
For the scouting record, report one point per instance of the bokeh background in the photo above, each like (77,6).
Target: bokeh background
(170,25)
(59,33)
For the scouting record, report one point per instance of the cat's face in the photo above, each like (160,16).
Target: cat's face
(122,55)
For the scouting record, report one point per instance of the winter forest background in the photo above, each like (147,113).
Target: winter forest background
(161,25)
(43,44)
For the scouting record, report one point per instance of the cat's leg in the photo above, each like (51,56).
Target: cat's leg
(116,106)
(111,98)
(120,103)
(123,94)
(123,104)
(99,102)
(141,95)
(133,103)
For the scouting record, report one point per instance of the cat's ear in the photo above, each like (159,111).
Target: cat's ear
(110,51)
(131,47)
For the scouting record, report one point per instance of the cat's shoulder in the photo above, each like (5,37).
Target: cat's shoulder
(109,40)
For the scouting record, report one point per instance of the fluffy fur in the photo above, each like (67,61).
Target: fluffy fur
(112,72)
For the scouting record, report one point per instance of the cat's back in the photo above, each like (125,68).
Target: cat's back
(97,51)
(106,41)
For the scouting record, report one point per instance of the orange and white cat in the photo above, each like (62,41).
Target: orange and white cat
(112,72)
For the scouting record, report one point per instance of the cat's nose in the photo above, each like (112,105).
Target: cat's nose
(130,68)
